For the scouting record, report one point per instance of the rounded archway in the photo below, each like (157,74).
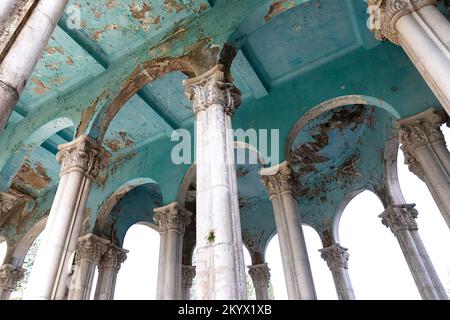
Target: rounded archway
(3,249)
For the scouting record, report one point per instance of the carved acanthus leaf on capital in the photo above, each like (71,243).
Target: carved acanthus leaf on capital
(211,88)
(9,276)
(385,13)
(91,248)
(112,258)
(260,274)
(172,217)
(84,155)
(278,182)
(187,275)
(336,257)
(400,217)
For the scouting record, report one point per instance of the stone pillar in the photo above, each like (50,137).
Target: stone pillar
(260,274)
(296,266)
(427,156)
(172,221)
(80,161)
(108,268)
(219,253)
(90,249)
(401,220)
(20,59)
(9,277)
(337,260)
(187,277)
(423,32)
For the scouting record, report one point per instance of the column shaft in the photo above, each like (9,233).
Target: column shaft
(219,255)
(108,269)
(260,274)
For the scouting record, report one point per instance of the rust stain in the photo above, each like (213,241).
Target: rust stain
(52,66)
(69,61)
(97,34)
(173,6)
(58,80)
(110,4)
(40,87)
(36,178)
(278,7)
(124,141)
(139,13)
(53,50)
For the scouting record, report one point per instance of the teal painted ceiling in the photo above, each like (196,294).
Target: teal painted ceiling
(291,56)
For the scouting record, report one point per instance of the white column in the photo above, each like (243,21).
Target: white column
(427,156)
(296,266)
(24,53)
(219,254)
(260,274)
(401,220)
(90,249)
(9,277)
(336,257)
(172,221)
(424,34)
(108,268)
(187,278)
(80,161)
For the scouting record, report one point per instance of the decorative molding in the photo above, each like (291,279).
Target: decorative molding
(277,179)
(385,13)
(187,275)
(9,276)
(400,217)
(172,217)
(336,257)
(210,88)
(260,274)
(83,154)
(113,258)
(91,248)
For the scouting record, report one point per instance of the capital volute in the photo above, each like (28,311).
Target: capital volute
(400,217)
(112,258)
(83,154)
(277,179)
(384,14)
(210,89)
(90,248)
(335,256)
(172,217)
(260,273)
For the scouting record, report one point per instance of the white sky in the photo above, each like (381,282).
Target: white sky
(377,268)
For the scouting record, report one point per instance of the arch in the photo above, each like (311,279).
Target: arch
(28,146)
(114,198)
(333,104)
(24,244)
(3,249)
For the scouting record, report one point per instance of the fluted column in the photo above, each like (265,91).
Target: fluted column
(336,258)
(108,268)
(423,32)
(427,156)
(260,274)
(187,278)
(296,266)
(219,254)
(172,221)
(90,249)
(24,52)
(401,220)
(80,161)
(9,277)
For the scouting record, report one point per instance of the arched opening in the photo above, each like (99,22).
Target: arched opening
(432,227)
(3,249)
(377,267)
(137,278)
(273,259)
(248,280)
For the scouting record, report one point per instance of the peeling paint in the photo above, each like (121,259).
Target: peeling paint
(278,7)
(173,6)
(35,177)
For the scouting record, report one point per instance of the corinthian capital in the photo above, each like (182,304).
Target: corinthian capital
(9,276)
(277,179)
(400,217)
(260,274)
(336,257)
(83,154)
(113,258)
(172,217)
(187,275)
(90,248)
(385,13)
(209,89)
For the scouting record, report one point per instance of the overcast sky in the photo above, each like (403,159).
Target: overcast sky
(377,268)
